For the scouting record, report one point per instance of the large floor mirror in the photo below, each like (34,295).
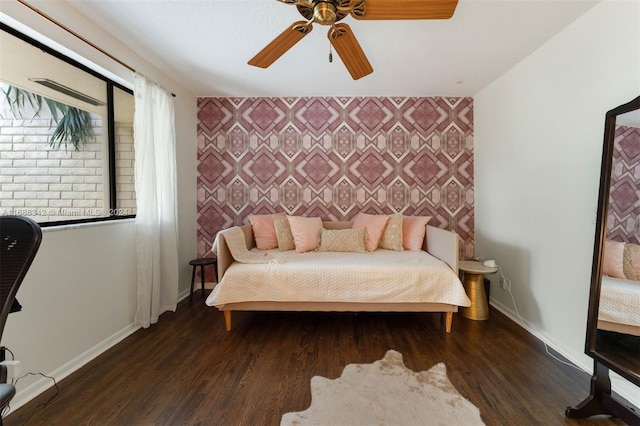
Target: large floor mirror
(613,324)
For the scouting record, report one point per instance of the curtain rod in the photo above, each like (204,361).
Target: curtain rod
(78,36)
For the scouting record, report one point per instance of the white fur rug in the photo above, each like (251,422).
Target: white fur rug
(386,393)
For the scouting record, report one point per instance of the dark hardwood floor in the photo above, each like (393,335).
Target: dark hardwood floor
(188,370)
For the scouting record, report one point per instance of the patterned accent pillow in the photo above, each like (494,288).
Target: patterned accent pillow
(392,236)
(631,261)
(283,232)
(343,240)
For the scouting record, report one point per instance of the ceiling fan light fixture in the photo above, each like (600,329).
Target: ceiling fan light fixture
(324,13)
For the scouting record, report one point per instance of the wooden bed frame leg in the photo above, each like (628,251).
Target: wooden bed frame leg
(448,321)
(227,320)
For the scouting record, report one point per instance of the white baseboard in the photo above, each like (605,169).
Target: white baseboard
(183,295)
(33,390)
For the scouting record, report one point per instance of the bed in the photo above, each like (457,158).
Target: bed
(379,281)
(619,308)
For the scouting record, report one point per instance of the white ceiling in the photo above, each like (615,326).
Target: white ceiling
(206,45)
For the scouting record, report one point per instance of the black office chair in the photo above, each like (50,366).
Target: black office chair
(20,239)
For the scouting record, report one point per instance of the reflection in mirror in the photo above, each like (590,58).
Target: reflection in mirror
(618,335)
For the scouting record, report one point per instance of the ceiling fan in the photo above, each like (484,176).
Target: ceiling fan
(329,12)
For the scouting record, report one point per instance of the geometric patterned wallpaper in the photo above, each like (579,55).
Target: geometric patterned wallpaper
(623,217)
(333,157)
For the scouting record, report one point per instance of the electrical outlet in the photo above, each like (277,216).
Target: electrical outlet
(505,284)
(13,369)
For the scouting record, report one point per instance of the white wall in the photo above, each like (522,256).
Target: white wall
(538,142)
(78,299)
(79,296)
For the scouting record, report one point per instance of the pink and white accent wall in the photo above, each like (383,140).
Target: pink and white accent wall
(623,217)
(334,157)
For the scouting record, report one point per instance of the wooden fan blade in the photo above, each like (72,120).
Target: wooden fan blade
(281,44)
(403,9)
(349,50)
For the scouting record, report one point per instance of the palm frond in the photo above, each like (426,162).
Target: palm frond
(56,107)
(18,98)
(73,125)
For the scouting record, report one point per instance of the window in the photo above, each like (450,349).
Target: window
(66,137)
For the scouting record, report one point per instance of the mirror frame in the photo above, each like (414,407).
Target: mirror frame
(600,236)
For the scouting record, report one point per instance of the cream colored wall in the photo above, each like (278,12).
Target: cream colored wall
(538,143)
(79,297)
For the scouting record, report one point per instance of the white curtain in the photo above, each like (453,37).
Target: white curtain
(156,217)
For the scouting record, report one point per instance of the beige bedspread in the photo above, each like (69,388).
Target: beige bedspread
(382,276)
(620,301)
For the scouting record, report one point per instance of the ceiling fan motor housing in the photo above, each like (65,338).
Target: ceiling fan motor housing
(324,13)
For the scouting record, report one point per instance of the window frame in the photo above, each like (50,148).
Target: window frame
(111,137)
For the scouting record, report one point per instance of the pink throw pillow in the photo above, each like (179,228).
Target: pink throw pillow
(414,229)
(612,265)
(264,232)
(374,224)
(306,232)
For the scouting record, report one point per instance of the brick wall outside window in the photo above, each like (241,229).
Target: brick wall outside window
(49,184)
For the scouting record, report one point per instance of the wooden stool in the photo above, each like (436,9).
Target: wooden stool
(202,262)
